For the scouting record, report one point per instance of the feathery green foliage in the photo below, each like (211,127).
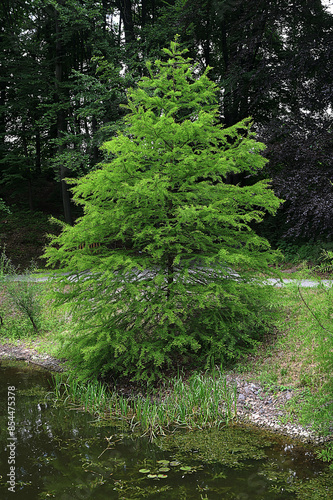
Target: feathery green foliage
(158,290)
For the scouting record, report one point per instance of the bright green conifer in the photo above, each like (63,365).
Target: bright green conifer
(170,229)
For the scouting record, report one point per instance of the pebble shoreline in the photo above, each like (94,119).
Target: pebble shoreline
(30,355)
(266,410)
(255,406)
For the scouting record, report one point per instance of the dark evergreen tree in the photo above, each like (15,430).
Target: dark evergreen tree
(271,60)
(23,86)
(43,43)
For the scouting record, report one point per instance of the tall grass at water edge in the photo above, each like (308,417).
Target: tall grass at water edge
(202,401)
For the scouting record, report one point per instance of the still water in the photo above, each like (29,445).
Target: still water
(50,451)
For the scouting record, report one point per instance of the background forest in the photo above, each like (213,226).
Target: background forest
(66,66)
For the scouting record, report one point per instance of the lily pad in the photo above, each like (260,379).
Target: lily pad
(152,476)
(164,469)
(162,476)
(144,471)
(186,468)
(174,463)
(163,462)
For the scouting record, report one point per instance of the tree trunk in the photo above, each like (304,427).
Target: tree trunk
(66,202)
(95,155)
(30,196)
(125,7)
(38,163)
(143,13)
(2,114)
(29,170)
(61,119)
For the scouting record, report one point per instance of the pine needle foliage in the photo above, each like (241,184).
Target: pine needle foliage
(170,230)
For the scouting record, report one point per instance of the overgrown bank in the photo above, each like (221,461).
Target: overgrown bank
(276,384)
(284,384)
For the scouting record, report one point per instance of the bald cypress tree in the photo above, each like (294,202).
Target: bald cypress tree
(161,232)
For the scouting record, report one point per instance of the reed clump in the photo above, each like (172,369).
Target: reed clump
(202,401)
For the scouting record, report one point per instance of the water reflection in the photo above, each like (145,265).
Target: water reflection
(62,454)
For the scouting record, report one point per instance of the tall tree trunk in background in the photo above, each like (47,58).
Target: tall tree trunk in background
(38,163)
(29,174)
(30,195)
(94,128)
(125,7)
(2,115)
(143,12)
(61,120)
(2,103)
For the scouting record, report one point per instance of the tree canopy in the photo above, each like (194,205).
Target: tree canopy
(65,68)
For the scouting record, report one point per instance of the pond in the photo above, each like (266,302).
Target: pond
(50,451)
